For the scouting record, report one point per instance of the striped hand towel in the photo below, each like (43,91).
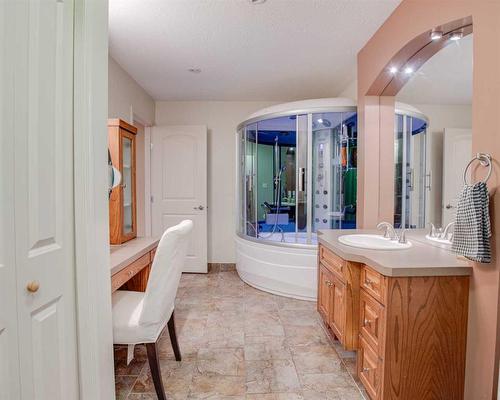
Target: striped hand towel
(472,233)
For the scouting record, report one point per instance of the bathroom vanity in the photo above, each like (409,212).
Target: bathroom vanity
(404,311)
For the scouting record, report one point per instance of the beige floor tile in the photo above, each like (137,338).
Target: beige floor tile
(271,376)
(317,363)
(326,382)
(177,378)
(214,386)
(228,361)
(266,348)
(275,396)
(263,323)
(239,343)
(123,385)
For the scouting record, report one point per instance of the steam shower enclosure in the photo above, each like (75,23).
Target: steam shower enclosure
(296,173)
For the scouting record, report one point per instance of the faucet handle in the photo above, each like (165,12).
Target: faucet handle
(432,232)
(385,225)
(402,236)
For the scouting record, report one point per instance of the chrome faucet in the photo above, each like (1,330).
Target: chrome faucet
(444,235)
(402,236)
(282,234)
(390,232)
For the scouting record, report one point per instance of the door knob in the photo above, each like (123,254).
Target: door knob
(199,208)
(32,286)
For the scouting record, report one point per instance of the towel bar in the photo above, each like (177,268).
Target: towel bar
(485,160)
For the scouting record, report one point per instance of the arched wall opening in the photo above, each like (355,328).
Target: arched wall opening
(405,38)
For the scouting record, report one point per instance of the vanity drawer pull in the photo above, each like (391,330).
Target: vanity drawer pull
(328,283)
(367,322)
(366,369)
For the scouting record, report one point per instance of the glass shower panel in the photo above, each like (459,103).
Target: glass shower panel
(331,160)
(276,166)
(398,170)
(250,199)
(241,180)
(410,170)
(416,174)
(301,176)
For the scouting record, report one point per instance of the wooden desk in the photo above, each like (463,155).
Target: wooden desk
(130,263)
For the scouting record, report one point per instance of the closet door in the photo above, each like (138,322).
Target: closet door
(38,348)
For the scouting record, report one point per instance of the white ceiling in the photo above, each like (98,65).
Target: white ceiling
(446,78)
(279,50)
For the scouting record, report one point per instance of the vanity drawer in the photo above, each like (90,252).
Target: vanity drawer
(372,321)
(333,262)
(374,283)
(369,369)
(129,271)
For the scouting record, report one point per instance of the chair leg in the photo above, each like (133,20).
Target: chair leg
(154,366)
(173,337)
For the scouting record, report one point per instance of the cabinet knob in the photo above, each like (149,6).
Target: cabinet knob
(368,282)
(32,286)
(199,208)
(328,283)
(365,369)
(367,322)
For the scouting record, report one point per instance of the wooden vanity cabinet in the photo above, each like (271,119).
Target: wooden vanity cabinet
(122,202)
(412,330)
(338,297)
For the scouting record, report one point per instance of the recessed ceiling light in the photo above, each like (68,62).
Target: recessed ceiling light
(456,36)
(408,70)
(436,35)
(195,70)
(393,70)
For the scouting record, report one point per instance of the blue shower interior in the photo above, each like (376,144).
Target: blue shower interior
(334,155)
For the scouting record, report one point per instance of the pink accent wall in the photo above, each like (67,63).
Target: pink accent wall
(376,125)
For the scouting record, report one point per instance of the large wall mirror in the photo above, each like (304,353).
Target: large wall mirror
(432,137)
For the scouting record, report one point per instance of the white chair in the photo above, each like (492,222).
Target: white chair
(140,317)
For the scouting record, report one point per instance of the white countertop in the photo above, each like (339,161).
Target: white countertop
(124,254)
(423,258)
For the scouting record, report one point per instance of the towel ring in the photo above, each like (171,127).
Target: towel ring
(485,160)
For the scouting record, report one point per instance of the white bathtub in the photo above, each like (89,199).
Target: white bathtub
(286,268)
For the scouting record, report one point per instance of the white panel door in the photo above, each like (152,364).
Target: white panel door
(37,153)
(179,186)
(457,152)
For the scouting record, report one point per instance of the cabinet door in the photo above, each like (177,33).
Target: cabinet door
(324,293)
(128,185)
(338,310)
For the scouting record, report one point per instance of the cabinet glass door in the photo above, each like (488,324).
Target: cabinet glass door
(127,160)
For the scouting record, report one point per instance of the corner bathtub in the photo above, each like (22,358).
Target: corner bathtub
(286,268)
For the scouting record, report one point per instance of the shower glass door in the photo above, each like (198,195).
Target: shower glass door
(409,171)
(334,170)
(250,180)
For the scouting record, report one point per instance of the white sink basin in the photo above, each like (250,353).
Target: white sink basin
(372,242)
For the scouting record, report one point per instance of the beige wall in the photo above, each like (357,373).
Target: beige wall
(411,19)
(126,99)
(221,119)
(130,102)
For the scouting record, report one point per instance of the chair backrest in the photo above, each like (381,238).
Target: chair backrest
(165,274)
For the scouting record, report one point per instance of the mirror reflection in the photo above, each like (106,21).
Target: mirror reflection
(432,139)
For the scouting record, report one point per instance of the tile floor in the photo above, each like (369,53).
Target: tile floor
(239,343)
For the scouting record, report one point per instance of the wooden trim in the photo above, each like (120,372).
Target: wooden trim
(415,54)
(120,123)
